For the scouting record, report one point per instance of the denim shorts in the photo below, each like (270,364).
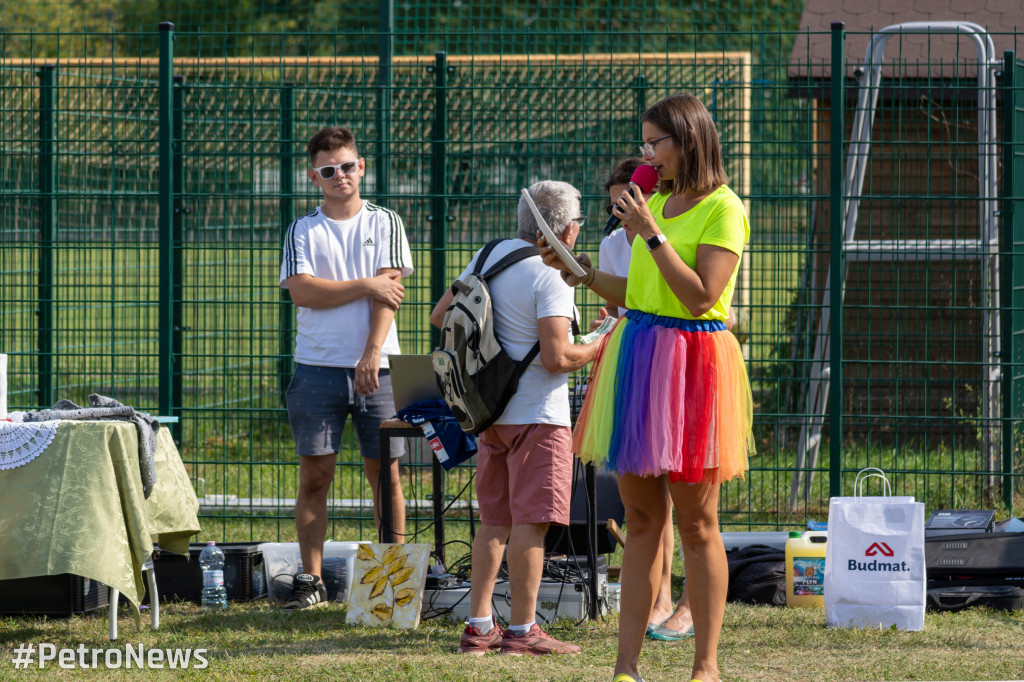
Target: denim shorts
(319,402)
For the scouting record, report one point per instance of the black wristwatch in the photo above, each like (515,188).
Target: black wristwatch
(656,241)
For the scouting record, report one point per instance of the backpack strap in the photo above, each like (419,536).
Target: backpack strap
(458,286)
(525,362)
(507,260)
(485,252)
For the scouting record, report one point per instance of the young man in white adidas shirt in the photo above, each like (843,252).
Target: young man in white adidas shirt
(343,265)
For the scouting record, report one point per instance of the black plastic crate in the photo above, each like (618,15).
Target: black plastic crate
(178,577)
(52,595)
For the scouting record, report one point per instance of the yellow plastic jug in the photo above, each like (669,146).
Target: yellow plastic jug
(805,568)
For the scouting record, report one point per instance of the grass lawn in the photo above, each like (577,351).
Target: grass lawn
(256,641)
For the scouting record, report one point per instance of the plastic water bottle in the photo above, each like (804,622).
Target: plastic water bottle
(211,560)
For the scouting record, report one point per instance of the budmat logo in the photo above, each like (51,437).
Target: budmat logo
(877,547)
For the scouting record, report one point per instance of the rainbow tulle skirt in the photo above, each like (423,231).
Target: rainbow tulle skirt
(668,395)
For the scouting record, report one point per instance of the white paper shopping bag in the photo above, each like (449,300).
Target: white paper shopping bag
(875,567)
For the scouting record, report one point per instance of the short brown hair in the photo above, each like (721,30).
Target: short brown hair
(329,139)
(686,118)
(622,173)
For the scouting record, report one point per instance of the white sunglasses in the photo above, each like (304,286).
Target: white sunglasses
(348,168)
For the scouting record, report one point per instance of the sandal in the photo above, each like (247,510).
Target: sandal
(664,634)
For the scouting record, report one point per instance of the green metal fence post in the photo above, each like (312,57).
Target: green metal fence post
(640,85)
(438,185)
(286,208)
(178,269)
(47,225)
(438,218)
(835,361)
(165,151)
(1011,239)
(385,49)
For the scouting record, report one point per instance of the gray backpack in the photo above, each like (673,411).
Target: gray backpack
(475,375)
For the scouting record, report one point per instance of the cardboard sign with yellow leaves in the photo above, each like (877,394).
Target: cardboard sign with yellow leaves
(387,585)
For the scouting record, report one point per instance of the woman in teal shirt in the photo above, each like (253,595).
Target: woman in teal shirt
(669,406)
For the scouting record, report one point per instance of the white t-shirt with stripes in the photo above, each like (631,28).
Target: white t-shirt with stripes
(343,250)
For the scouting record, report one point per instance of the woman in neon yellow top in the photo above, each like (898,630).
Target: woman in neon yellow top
(669,405)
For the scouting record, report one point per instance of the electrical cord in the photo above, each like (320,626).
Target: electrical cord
(283,582)
(433,611)
(566,572)
(571,574)
(413,536)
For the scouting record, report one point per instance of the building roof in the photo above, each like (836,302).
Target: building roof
(943,56)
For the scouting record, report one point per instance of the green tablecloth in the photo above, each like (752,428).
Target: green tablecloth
(78,508)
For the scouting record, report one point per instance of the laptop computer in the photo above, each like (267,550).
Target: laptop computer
(412,380)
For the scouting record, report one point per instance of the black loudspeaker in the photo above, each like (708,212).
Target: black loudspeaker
(52,595)
(572,539)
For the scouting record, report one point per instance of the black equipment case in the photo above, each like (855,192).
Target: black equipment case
(959,522)
(975,554)
(976,569)
(956,595)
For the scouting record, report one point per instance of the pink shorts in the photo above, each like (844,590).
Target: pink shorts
(524,474)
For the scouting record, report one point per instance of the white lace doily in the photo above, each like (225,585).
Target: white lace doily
(22,443)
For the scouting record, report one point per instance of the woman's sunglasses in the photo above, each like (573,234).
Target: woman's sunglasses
(347,168)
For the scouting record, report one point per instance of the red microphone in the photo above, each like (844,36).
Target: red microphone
(644,177)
